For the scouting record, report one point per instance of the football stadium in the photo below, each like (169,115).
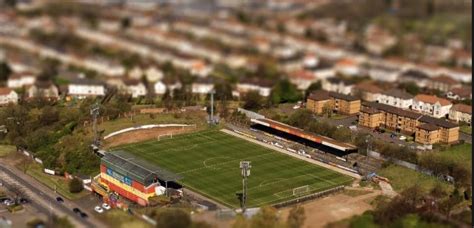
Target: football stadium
(207,162)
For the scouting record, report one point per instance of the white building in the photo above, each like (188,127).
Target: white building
(8,96)
(44,89)
(263,87)
(396,98)
(21,80)
(431,105)
(159,88)
(82,88)
(202,87)
(461,112)
(302,79)
(337,85)
(135,87)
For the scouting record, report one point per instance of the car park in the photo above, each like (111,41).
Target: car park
(98,209)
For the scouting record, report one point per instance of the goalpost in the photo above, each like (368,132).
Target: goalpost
(159,137)
(298,191)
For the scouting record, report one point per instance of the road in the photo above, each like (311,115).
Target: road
(44,199)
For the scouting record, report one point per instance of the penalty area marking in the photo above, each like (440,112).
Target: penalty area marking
(214,158)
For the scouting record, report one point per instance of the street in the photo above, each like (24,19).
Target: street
(44,199)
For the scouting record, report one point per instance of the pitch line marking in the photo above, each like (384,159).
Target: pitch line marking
(210,159)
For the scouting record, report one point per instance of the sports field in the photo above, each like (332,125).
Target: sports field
(209,160)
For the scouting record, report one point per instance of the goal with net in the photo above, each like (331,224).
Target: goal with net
(301,190)
(164,136)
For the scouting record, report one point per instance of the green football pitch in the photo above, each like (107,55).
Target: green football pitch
(209,161)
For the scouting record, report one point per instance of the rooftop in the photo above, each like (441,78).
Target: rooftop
(321,95)
(5,91)
(462,108)
(430,99)
(368,87)
(445,79)
(428,127)
(398,93)
(136,168)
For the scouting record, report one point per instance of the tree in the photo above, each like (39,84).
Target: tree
(296,217)
(60,222)
(284,92)
(18,193)
(252,101)
(5,71)
(75,185)
(265,218)
(125,22)
(301,118)
(410,87)
(328,109)
(240,222)
(173,217)
(342,134)
(313,87)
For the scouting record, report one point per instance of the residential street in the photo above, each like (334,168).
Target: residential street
(44,199)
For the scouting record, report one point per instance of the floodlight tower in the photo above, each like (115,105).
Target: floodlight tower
(211,118)
(245,171)
(95,114)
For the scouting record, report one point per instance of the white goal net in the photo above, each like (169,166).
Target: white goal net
(300,190)
(164,136)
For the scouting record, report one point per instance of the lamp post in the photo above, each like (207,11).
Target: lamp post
(245,171)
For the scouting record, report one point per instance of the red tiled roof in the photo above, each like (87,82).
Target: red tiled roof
(462,91)
(445,79)
(463,108)
(432,99)
(368,87)
(5,91)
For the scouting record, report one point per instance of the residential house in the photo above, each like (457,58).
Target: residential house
(420,78)
(378,40)
(135,87)
(431,105)
(43,88)
(396,98)
(82,88)
(408,122)
(337,85)
(347,66)
(153,74)
(383,73)
(461,112)
(437,54)
(463,58)
(200,68)
(443,83)
(159,88)
(8,96)
(302,78)
(459,93)
(172,84)
(262,86)
(310,61)
(340,103)
(20,80)
(367,91)
(202,86)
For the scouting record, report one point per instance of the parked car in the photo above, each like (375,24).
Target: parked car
(59,199)
(98,209)
(83,215)
(106,206)
(76,210)
(24,201)
(8,202)
(403,137)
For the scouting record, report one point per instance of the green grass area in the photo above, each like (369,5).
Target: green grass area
(144,119)
(53,182)
(6,150)
(402,178)
(209,160)
(121,219)
(458,153)
(466,129)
